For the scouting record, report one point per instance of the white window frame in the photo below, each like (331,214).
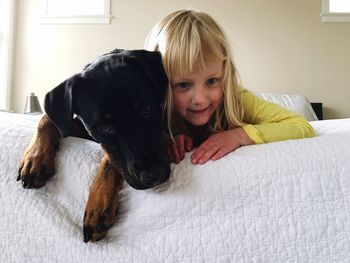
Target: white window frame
(328,16)
(6,45)
(48,18)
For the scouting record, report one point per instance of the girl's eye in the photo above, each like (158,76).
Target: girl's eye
(183,85)
(211,82)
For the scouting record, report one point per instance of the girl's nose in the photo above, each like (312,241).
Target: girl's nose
(198,97)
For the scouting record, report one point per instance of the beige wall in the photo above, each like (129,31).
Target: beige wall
(279,46)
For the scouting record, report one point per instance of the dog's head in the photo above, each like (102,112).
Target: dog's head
(119,99)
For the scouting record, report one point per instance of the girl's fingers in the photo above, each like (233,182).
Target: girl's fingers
(204,155)
(219,154)
(188,144)
(174,153)
(177,149)
(171,159)
(180,145)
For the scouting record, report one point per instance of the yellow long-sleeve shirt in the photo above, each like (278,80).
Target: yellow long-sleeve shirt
(265,122)
(269,122)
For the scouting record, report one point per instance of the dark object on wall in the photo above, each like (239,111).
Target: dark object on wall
(317,107)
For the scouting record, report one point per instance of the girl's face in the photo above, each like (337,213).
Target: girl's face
(197,95)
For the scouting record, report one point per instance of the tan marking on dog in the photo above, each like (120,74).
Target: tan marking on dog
(103,199)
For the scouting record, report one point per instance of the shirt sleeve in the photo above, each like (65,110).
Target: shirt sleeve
(269,122)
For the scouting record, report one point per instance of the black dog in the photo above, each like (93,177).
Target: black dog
(117,101)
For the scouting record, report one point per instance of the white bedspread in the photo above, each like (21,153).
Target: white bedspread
(279,202)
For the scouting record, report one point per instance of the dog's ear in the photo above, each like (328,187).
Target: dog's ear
(151,63)
(58,104)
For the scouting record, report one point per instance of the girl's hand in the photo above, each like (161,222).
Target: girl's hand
(177,149)
(220,144)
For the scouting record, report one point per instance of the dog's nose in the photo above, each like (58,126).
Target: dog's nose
(151,179)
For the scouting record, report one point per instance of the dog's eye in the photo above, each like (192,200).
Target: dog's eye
(105,128)
(135,104)
(147,110)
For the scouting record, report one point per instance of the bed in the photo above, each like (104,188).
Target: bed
(279,202)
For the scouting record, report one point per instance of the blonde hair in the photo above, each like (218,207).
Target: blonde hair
(187,39)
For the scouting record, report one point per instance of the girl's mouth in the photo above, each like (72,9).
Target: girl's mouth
(200,111)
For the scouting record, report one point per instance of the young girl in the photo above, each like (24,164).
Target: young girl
(205,107)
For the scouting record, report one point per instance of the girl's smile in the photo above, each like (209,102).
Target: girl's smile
(199,111)
(197,95)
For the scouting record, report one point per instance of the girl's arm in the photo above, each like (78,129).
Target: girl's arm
(269,122)
(176,150)
(266,122)
(220,144)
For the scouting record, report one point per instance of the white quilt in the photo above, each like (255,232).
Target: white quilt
(279,202)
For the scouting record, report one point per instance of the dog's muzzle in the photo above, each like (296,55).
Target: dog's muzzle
(142,173)
(145,180)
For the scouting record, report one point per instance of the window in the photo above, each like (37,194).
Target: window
(76,12)
(6,18)
(335,11)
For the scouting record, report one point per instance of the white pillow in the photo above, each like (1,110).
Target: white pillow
(296,103)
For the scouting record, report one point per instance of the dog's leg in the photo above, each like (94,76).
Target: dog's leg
(38,162)
(102,205)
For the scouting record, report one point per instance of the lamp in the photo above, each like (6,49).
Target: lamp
(32,105)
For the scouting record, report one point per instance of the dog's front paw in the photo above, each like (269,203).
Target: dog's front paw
(100,214)
(36,167)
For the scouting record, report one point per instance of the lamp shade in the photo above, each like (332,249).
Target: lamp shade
(32,105)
